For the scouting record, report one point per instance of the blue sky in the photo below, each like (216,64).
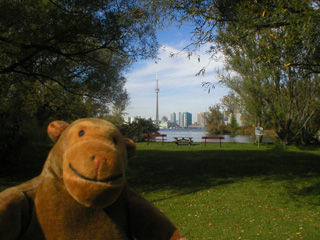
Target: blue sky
(180,89)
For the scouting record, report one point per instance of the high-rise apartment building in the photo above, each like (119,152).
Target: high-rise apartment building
(187,119)
(173,117)
(202,119)
(184,120)
(129,120)
(180,123)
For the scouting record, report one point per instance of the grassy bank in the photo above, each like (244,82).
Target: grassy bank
(238,191)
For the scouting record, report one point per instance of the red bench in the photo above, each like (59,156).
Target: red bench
(155,138)
(212,138)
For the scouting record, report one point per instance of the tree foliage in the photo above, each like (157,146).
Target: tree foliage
(246,18)
(231,102)
(215,121)
(74,36)
(234,126)
(138,128)
(66,59)
(82,46)
(276,77)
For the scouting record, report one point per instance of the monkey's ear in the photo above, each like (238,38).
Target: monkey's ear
(131,147)
(55,129)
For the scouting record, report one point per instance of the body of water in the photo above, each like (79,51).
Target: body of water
(197,135)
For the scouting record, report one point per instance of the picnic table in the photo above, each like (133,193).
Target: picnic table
(178,140)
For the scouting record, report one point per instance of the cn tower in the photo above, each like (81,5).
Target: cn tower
(157,106)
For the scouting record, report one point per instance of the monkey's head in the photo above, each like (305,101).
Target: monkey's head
(92,155)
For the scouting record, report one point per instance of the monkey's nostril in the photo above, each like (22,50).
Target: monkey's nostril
(93,158)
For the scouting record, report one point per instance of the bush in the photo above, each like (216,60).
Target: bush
(137,129)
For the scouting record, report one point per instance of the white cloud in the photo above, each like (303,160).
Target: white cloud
(180,89)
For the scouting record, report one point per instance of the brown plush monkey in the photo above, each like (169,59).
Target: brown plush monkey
(81,192)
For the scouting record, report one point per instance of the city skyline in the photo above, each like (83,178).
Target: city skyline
(176,118)
(180,120)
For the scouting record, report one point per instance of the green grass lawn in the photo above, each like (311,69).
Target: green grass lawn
(238,191)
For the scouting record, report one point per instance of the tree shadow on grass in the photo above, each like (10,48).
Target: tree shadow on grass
(192,171)
(185,172)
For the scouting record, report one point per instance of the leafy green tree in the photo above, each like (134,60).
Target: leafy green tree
(138,128)
(284,101)
(81,46)
(118,112)
(210,19)
(66,60)
(272,90)
(71,35)
(215,121)
(234,126)
(231,102)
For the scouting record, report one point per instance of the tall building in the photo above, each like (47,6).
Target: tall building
(129,120)
(173,117)
(202,119)
(187,119)
(180,120)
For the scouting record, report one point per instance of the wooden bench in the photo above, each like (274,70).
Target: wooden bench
(178,140)
(212,138)
(155,138)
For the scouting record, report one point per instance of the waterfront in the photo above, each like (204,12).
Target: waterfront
(196,135)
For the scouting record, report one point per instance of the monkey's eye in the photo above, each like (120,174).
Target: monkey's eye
(81,133)
(115,140)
